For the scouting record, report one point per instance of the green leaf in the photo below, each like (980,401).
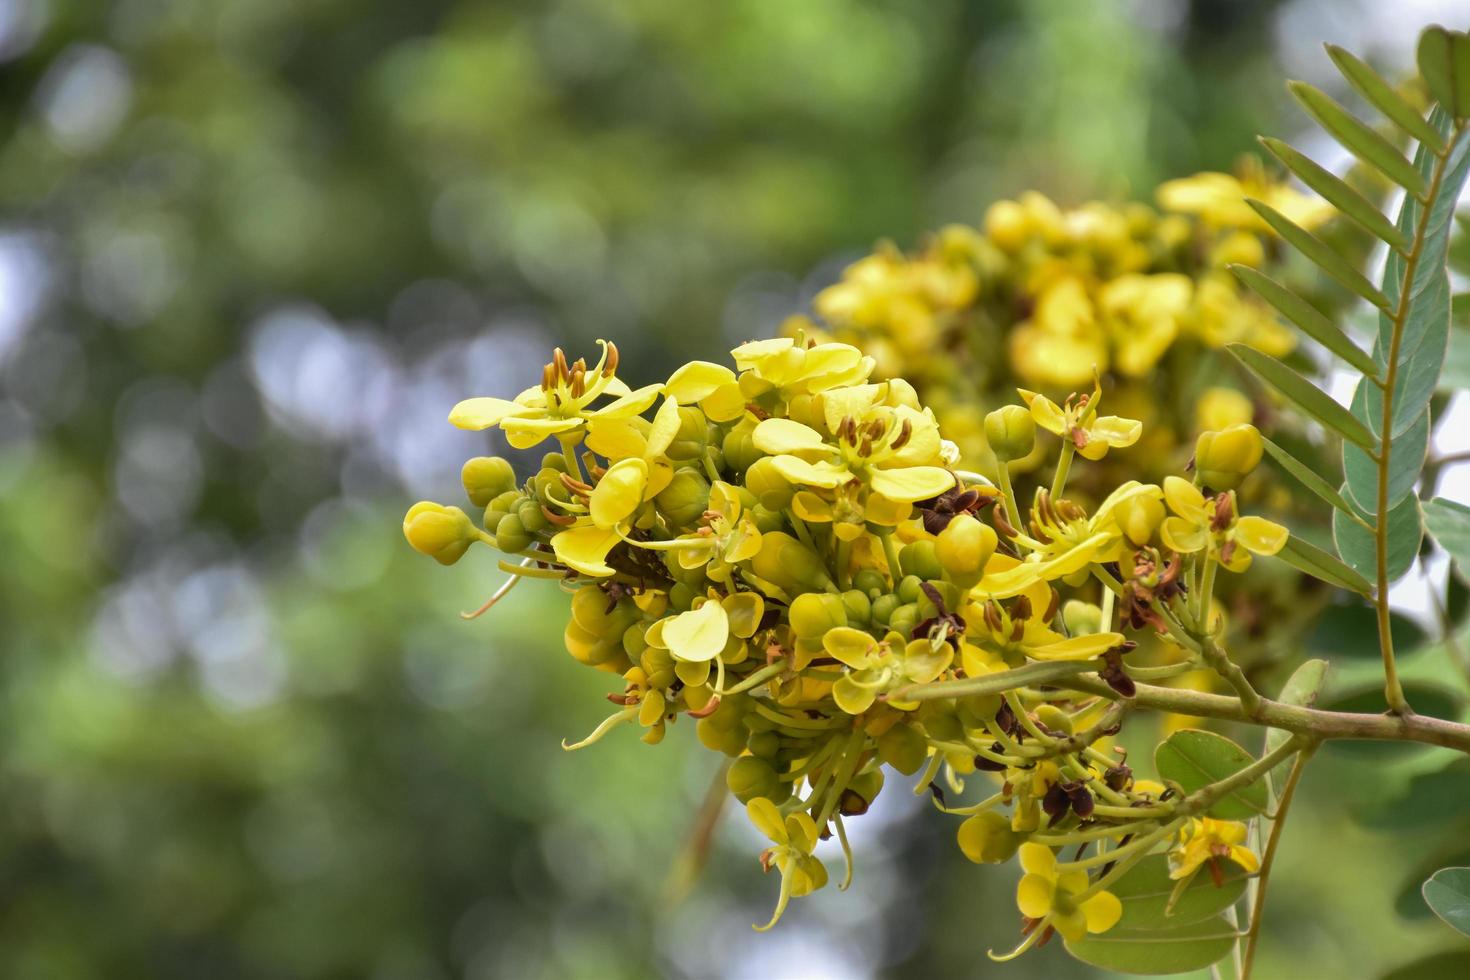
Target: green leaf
(1356,545)
(1336,191)
(1444,64)
(1349,631)
(1322,255)
(1381,95)
(1358,138)
(1195,759)
(1300,689)
(1447,892)
(1158,952)
(1449,525)
(1307,317)
(1455,375)
(1438,966)
(1146,889)
(1422,353)
(1439,796)
(1307,557)
(1306,475)
(1405,461)
(1307,396)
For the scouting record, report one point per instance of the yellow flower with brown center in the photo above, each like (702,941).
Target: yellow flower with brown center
(1205,842)
(1076,420)
(1214,525)
(1056,898)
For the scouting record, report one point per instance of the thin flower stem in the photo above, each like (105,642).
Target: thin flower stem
(1268,857)
(1137,851)
(1064,465)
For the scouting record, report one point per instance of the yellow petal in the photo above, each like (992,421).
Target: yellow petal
(801,831)
(922,663)
(699,634)
(1076,647)
(697,380)
(822,474)
(1071,925)
(584,548)
(619,493)
(1102,911)
(849,645)
(1044,411)
(911,483)
(524,433)
(851,696)
(633,403)
(809,507)
(839,403)
(1116,431)
(617,438)
(744,611)
(1183,497)
(767,819)
(1034,894)
(1183,536)
(652,708)
(1038,859)
(1246,858)
(482,413)
(725,404)
(664,428)
(786,436)
(1261,536)
(749,355)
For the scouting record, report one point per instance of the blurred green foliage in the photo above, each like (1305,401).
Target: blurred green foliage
(252,251)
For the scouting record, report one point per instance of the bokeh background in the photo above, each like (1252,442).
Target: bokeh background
(251,251)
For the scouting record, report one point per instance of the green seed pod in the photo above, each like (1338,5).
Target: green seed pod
(1011,432)
(987,838)
(909,588)
(904,619)
(511,535)
(871,582)
(920,558)
(963,549)
(883,607)
(750,777)
(532,518)
(903,748)
(486,477)
(685,499)
(772,489)
(764,744)
(812,614)
(858,608)
(1223,459)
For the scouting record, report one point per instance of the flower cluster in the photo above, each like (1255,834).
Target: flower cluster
(787,553)
(1065,294)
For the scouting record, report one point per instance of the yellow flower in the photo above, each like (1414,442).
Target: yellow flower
(1024,632)
(1223,314)
(561,405)
(1061,346)
(1052,896)
(1220,407)
(1220,199)
(1205,839)
(730,536)
(1077,421)
(1213,524)
(889,449)
(793,839)
(1142,314)
(877,667)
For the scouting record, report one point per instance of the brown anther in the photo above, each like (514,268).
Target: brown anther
(994,617)
(559,359)
(866,449)
(1021,608)
(1227,552)
(1018,630)
(1078,435)
(707,710)
(622,699)
(579,381)
(610,360)
(560,520)
(1051,607)
(760,413)
(575,485)
(548,377)
(1002,526)
(1224,514)
(905,433)
(580,365)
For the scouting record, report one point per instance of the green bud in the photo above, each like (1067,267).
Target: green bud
(764,744)
(554,461)
(492,518)
(486,477)
(1081,618)
(859,609)
(689,441)
(511,535)
(903,748)
(1011,432)
(772,489)
(750,777)
(987,838)
(1054,719)
(681,597)
(532,518)
(766,520)
(657,664)
(720,738)
(861,791)
(788,563)
(1222,459)
(963,548)
(904,619)
(883,607)
(920,558)
(1139,517)
(948,591)
(739,445)
(871,581)
(685,499)
(812,614)
(909,588)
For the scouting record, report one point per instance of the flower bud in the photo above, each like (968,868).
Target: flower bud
(1011,432)
(689,441)
(903,748)
(1222,459)
(442,533)
(904,619)
(812,614)
(963,549)
(861,792)
(1081,618)
(1220,408)
(739,446)
(871,582)
(920,558)
(685,499)
(487,477)
(1054,719)
(772,489)
(987,838)
(763,744)
(511,535)
(789,564)
(750,777)
(1139,517)
(1007,225)
(858,607)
